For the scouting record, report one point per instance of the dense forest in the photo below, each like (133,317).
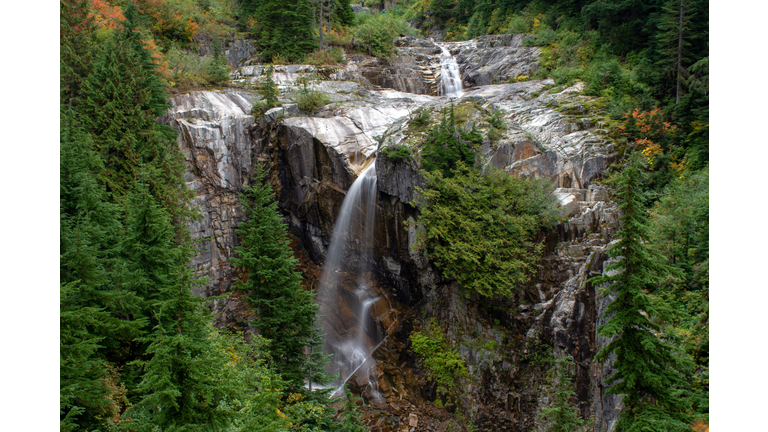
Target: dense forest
(140,352)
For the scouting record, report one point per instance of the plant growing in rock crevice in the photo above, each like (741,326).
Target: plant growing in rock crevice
(397,152)
(443,363)
(309,99)
(268,92)
(561,415)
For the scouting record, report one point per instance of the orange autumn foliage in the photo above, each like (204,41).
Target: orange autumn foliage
(169,19)
(157,57)
(106,16)
(700,426)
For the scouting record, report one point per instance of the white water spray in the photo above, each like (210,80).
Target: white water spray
(351,253)
(450,77)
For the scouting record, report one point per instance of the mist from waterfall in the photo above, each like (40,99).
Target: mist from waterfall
(450,77)
(351,253)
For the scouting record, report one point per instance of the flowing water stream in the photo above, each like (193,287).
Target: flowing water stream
(348,262)
(450,77)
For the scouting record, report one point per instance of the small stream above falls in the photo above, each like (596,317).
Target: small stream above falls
(450,77)
(346,279)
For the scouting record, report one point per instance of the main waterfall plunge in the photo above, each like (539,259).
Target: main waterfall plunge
(347,279)
(347,297)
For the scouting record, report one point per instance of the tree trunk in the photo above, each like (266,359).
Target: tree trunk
(679,53)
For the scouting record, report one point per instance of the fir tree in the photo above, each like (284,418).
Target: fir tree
(561,416)
(673,41)
(99,315)
(316,362)
(90,247)
(268,92)
(74,48)
(286,313)
(81,393)
(647,368)
(344,14)
(284,28)
(218,71)
(149,246)
(182,386)
(350,419)
(445,147)
(122,98)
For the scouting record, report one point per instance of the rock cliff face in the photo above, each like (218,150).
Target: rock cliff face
(313,160)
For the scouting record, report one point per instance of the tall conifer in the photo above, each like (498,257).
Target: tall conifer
(180,387)
(647,368)
(98,314)
(123,97)
(74,47)
(285,312)
(90,232)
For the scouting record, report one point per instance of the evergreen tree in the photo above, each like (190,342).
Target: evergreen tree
(673,43)
(99,315)
(561,416)
(218,70)
(284,28)
(285,313)
(123,97)
(343,13)
(445,147)
(81,393)
(350,419)
(182,387)
(74,48)
(647,368)
(150,248)
(316,363)
(90,247)
(268,92)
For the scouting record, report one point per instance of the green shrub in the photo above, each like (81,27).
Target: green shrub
(444,146)
(328,56)
(443,363)
(310,100)
(186,71)
(496,119)
(400,151)
(376,33)
(480,229)
(520,24)
(423,117)
(543,36)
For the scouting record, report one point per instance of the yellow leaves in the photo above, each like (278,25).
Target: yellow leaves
(294,397)
(700,426)
(234,357)
(680,168)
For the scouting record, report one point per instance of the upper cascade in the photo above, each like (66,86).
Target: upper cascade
(450,77)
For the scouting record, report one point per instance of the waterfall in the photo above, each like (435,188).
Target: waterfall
(450,78)
(349,258)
